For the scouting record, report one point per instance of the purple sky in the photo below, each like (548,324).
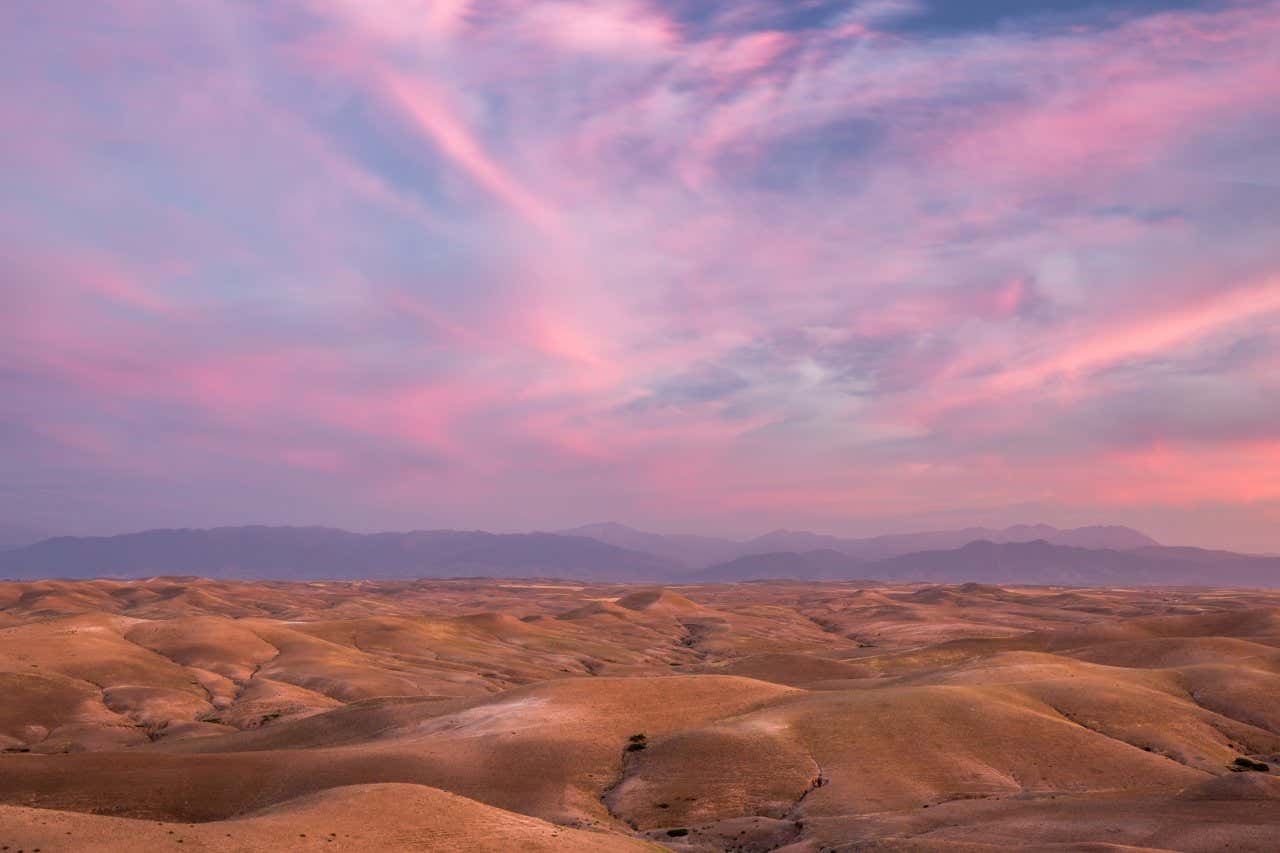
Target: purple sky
(849,266)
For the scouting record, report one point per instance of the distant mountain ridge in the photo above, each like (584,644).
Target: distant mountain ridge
(685,548)
(319,553)
(704,551)
(1036,562)
(821,564)
(1046,563)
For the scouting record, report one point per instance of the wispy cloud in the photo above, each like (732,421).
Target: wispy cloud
(529,262)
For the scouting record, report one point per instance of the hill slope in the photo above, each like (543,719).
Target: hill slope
(500,715)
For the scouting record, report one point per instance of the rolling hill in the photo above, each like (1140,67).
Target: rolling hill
(195,714)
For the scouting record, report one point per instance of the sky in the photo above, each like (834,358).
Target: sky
(844,265)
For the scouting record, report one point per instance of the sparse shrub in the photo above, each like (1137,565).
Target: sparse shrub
(678,832)
(1243,763)
(636,746)
(267,718)
(640,738)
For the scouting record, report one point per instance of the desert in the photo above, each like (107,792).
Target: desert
(544,714)
(707,426)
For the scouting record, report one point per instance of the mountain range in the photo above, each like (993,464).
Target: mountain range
(307,553)
(1027,554)
(701,551)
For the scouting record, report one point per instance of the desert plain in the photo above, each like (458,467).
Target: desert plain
(487,715)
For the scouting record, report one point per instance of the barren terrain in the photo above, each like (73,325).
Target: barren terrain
(189,714)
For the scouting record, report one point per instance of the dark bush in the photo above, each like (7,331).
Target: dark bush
(677,833)
(635,747)
(640,738)
(1243,763)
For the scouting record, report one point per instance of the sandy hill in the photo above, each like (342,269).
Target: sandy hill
(380,816)
(659,601)
(791,716)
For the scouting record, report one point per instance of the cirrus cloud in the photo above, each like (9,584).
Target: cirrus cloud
(527,263)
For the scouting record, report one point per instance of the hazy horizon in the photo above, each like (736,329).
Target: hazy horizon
(28,535)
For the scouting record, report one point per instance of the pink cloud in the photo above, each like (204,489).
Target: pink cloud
(97,275)
(610,28)
(430,114)
(746,54)
(899,251)
(399,22)
(1145,336)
